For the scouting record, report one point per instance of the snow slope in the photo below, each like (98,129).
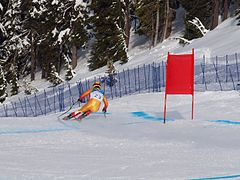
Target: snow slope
(223,40)
(130,143)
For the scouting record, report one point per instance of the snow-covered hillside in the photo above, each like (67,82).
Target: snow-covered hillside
(224,40)
(131,142)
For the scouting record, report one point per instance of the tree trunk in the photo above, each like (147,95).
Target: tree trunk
(44,72)
(215,14)
(166,19)
(152,33)
(33,60)
(157,25)
(127,22)
(225,10)
(74,56)
(169,24)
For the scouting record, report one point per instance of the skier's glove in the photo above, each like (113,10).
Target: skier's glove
(80,100)
(104,110)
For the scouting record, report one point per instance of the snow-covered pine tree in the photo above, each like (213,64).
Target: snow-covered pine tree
(199,26)
(108,27)
(54,28)
(238,12)
(28,89)
(196,8)
(14,41)
(54,77)
(74,19)
(3,86)
(69,70)
(14,80)
(69,73)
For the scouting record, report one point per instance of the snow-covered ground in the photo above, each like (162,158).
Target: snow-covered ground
(130,143)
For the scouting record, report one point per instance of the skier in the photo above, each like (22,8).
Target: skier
(95,97)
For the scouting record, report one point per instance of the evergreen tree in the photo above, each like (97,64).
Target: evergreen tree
(108,27)
(15,43)
(28,89)
(69,73)
(55,27)
(199,9)
(238,12)
(3,86)
(54,77)
(14,80)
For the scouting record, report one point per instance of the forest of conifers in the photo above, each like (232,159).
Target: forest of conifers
(46,35)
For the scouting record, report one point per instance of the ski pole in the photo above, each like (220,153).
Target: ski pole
(105,114)
(68,109)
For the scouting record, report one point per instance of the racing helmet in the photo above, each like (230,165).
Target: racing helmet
(96,85)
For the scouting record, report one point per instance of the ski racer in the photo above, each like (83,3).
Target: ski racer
(95,97)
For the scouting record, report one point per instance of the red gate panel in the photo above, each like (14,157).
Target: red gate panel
(179,76)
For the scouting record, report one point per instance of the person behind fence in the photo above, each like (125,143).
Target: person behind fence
(95,97)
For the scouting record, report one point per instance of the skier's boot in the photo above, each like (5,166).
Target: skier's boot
(83,115)
(68,117)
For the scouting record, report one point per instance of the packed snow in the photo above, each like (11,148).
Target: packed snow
(131,142)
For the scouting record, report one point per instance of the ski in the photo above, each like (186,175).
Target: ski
(66,118)
(79,118)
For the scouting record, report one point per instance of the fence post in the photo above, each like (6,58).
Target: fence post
(149,71)
(70,94)
(115,87)
(15,110)
(216,67)
(159,80)
(88,82)
(39,104)
(217,76)
(145,77)
(139,80)
(163,67)
(22,107)
(232,79)
(104,87)
(226,68)
(25,105)
(111,91)
(135,80)
(30,105)
(61,99)
(153,77)
(129,83)
(49,105)
(125,84)
(5,110)
(237,65)
(119,83)
(35,104)
(45,102)
(203,73)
